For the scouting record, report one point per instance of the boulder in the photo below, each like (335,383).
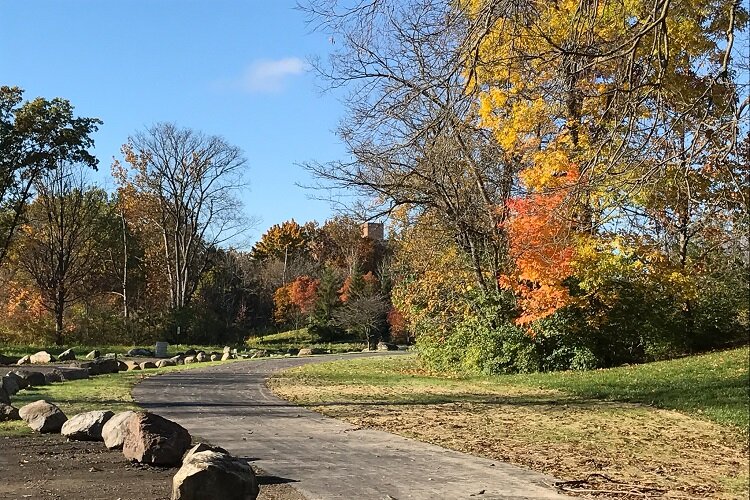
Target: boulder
(43,416)
(201,357)
(67,355)
(21,382)
(163,363)
(292,351)
(10,384)
(114,430)
(8,360)
(74,374)
(41,357)
(177,360)
(202,447)
(122,365)
(86,426)
(4,396)
(154,440)
(25,360)
(132,365)
(8,412)
(191,352)
(305,352)
(140,351)
(93,354)
(387,346)
(226,356)
(215,357)
(53,376)
(259,354)
(148,365)
(189,359)
(211,474)
(227,349)
(32,379)
(106,365)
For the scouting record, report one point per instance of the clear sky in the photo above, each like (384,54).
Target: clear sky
(227,67)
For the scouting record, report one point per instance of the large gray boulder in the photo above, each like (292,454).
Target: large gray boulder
(154,440)
(8,360)
(21,382)
(41,357)
(202,447)
(141,352)
(86,426)
(43,416)
(8,412)
(25,360)
(100,366)
(114,430)
(10,384)
(67,355)
(32,379)
(53,376)
(210,474)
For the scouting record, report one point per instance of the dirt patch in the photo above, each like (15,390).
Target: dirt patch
(49,467)
(664,453)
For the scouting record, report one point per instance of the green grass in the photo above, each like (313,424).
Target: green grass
(714,386)
(103,392)
(711,386)
(298,339)
(81,350)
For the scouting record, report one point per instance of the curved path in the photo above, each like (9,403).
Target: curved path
(230,406)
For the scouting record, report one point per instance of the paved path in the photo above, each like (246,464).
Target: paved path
(230,405)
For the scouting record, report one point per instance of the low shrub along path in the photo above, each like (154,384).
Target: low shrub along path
(231,406)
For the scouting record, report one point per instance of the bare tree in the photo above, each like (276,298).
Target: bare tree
(59,248)
(193,179)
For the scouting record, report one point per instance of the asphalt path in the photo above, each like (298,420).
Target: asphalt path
(229,405)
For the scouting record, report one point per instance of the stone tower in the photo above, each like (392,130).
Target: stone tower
(373,230)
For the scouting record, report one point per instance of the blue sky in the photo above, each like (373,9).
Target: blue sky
(228,67)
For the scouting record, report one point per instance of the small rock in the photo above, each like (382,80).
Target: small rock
(10,384)
(43,416)
(177,360)
(53,376)
(209,474)
(67,355)
(154,440)
(33,379)
(140,351)
(93,354)
(114,430)
(189,359)
(259,354)
(215,357)
(201,357)
(163,363)
(8,412)
(132,365)
(25,360)
(148,365)
(387,346)
(86,426)
(21,382)
(41,357)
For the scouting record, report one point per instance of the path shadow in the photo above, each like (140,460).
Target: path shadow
(266,480)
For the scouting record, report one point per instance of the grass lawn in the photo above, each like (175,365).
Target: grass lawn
(298,339)
(679,426)
(103,392)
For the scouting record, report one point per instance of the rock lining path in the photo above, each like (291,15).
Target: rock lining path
(230,406)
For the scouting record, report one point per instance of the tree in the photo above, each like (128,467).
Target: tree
(60,248)
(35,137)
(191,180)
